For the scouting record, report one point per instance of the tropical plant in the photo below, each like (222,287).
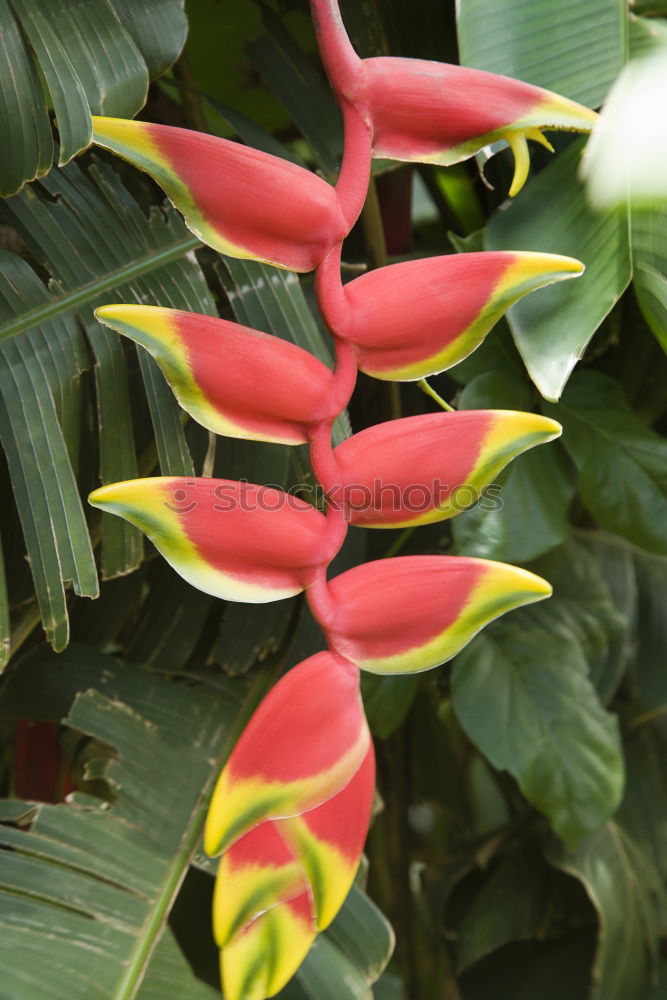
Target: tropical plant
(510,815)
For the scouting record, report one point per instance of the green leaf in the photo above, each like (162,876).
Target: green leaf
(171,622)
(576,50)
(552,326)
(651,290)
(93,57)
(582,608)
(87,890)
(622,463)
(649,255)
(387,700)
(525,512)
(523,696)
(170,976)
(643,812)
(141,259)
(609,867)
(345,961)
(292,77)
(47,497)
(158,29)
(24,120)
(649,679)
(612,567)
(549,970)
(522,899)
(248,636)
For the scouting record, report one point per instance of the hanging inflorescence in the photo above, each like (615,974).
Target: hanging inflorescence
(291,809)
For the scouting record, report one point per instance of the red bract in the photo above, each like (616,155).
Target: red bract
(426,468)
(420,317)
(233,540)
(412,613)
(438,113)
(233,380)
(303,744)
(239,200)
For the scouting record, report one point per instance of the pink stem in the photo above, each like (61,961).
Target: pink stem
(330,294)
(355,169)
(341,62)
(322,457)
(319,600)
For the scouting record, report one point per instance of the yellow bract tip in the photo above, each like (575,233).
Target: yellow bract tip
(528,266)
(519,146)
(140,493)
(114,128)
(511,586)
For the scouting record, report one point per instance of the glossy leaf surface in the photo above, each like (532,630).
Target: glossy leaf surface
(602,433)
(572,771)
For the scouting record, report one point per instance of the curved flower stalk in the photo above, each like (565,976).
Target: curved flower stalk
(290,810)
(433,112)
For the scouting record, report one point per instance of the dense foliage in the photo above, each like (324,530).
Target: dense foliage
(519,845)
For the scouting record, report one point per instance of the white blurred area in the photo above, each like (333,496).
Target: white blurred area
(626,157)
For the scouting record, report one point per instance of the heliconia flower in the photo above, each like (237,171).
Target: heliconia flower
(238,200)
(277,860)
(417,470)
(329,840)
(419,317)
(303,744)
(232,379)
(433,112)
(234,540)
(258,871)
(411,613)
(437,113)
(264,956)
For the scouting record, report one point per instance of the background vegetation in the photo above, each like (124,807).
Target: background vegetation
(520,843)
